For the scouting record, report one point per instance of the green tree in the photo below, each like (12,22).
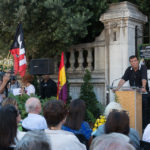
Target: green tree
(95,8)
(48,25)
(51,26)
(87,94)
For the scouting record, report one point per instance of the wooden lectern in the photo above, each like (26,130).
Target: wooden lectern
(131,100)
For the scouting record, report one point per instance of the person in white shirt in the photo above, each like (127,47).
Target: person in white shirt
(55,114)
(34,121)
(146,134)
(27,88)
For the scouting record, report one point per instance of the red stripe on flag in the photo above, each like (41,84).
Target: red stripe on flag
(15,51)
(22,70)
(21,57)
(62,61)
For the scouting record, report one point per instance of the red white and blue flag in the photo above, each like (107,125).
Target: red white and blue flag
(18,51)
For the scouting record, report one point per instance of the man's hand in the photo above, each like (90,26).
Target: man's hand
(120,84)
(114,90)
(6,77)
(143,90)
(22,90)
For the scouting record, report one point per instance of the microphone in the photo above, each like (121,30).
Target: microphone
(111,87)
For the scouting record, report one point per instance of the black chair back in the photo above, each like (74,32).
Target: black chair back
(144,145)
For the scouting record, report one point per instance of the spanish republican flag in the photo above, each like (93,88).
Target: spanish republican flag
(61,85)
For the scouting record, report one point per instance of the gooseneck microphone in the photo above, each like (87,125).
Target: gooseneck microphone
(111,87)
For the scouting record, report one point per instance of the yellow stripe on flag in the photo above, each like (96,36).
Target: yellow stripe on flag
(62,77)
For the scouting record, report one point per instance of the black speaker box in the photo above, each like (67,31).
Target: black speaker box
(41,66)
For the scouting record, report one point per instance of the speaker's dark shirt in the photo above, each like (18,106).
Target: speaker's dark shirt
(135,77)
(48,89)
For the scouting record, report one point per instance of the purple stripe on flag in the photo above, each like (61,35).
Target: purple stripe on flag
(63,93)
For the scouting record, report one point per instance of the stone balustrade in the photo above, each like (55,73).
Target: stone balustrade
(83,56)
(79,59)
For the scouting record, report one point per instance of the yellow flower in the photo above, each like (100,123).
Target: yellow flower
(94,129)
(100,124)
(102,120)
(103,117)
(99,121)
(95,125)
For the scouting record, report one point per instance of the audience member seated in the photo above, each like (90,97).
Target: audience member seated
(11,101)
(55,114)
(34,121)
(75,120)
(34,140)
(146,134)
(133,134)
(27,88)
(113,141)
(8,127)
(117,121)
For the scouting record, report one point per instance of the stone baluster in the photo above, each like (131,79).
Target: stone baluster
(80,60)
(65,59)
(89,59)
(72,61)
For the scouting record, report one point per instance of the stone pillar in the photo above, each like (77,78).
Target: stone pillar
(120,21)
(65,59)
(89,59)
(72,61)
(80,60)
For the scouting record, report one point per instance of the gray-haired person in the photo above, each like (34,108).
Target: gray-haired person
(113,141)
(34,140)
(34,121)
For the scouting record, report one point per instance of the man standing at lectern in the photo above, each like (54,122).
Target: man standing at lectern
(136,74)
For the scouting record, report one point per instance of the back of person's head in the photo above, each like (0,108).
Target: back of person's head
(113,141)
(10,101)
(54,112)
(8,125)
(27,78)
(111,106)
(76,114)
(117,121)
(33,105)
(33,140)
